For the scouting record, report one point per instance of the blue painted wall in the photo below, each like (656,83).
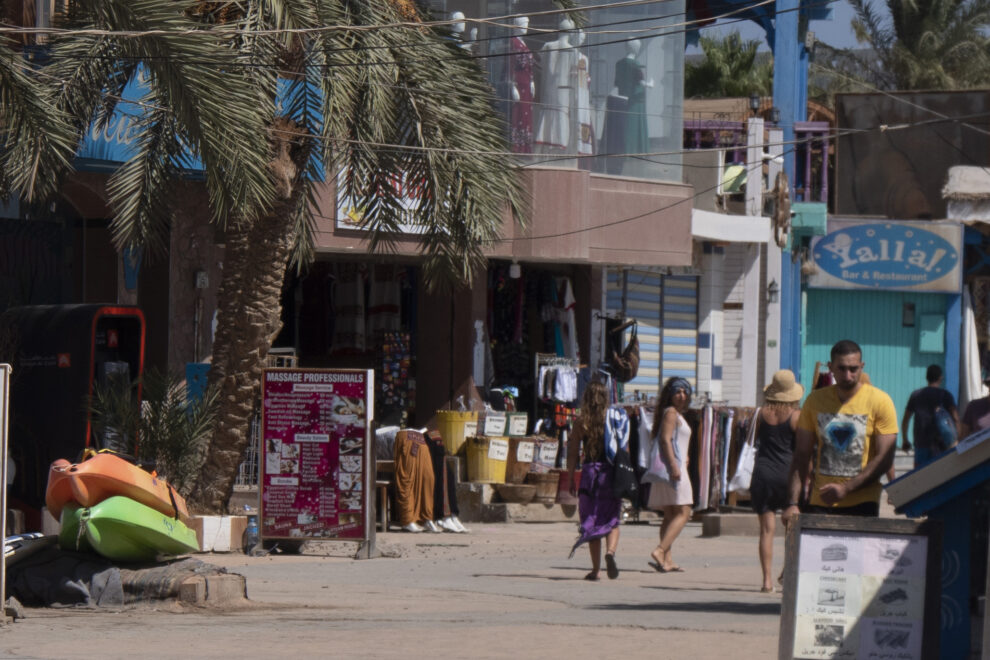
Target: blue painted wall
(873,320)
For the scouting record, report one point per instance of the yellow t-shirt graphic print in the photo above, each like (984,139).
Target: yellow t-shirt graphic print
(845,434)
(843,440)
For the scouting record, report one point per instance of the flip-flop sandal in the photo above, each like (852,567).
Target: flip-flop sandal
(674,569)
(657,567)
(610,568)
(591,577)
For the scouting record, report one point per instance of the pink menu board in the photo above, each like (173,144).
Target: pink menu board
(315,426)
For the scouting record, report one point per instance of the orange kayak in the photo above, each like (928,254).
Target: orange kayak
(105,475)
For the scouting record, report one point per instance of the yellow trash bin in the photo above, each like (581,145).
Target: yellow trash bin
(486,459)
(455,427)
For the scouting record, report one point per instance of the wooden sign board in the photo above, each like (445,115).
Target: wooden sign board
(858,587)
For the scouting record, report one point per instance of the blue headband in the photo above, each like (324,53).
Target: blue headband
(680,384)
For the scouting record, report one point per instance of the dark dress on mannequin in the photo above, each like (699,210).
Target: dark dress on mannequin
(629,79)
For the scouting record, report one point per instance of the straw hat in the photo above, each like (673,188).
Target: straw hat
(784,388)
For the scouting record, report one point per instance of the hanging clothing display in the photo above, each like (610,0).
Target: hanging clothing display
(347,290)
(384,298)
(704,458)
(565,318)
(522,61)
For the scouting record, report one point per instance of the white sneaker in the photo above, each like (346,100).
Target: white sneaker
(413,527)
(459,525)
(432,527)
(448,525)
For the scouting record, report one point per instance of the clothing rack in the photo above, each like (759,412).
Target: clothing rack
(554,360)
(548,360)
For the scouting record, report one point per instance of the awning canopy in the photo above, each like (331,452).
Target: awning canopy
(709,226)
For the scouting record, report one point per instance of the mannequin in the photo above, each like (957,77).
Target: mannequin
(523,88)
(631,83)
(556,92)
(582,135)
(458,28)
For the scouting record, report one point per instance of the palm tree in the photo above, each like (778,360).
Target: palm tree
(926,44)
(731,68)
(271,97)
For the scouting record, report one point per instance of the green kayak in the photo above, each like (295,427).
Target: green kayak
(122,529)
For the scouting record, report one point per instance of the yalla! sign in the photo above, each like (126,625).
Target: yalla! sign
(892,256)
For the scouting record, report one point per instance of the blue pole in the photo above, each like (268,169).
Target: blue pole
(790,91)
(953,338)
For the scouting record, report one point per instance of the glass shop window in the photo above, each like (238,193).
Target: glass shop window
(599,89)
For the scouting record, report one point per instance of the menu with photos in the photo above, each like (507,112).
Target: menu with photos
(316,436)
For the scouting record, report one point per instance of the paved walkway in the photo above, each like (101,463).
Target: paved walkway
(505,590)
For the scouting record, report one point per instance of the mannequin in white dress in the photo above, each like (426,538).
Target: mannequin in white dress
(559,60)
(582,135)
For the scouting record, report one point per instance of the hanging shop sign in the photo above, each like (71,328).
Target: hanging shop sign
(889,256)
(317,458)
(353,215)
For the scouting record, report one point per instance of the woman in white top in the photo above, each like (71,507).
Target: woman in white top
(673,497)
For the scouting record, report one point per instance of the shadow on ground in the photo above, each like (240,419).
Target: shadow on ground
(727,607)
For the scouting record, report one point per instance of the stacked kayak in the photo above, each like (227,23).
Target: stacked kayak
(105,475)
(124,530)
(110,506)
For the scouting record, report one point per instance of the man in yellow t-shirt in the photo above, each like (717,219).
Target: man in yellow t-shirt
(850,428)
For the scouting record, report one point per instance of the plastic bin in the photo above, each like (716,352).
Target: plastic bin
(455,427)
(486,459)
(521,451)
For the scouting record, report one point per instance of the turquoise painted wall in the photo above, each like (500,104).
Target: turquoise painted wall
(873,320)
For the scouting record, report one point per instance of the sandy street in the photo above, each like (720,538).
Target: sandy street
(505,590)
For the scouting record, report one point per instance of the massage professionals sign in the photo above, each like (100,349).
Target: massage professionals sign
(316,435)
(890,256)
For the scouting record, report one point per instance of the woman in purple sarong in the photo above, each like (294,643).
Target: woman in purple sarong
(598,508)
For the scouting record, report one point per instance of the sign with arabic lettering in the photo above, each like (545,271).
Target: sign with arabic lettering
(861,588)
(889,256)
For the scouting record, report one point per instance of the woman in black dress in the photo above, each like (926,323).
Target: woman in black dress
(776,426)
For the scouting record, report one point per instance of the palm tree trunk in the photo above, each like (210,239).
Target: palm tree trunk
(248,318)
(249,312)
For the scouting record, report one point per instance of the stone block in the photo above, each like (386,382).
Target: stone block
(193,590)
(226,588)
(471,498)
(219,533)
(735,524)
